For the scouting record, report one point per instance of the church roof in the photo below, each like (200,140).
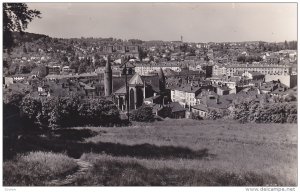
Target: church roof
(137,79)
(122,90)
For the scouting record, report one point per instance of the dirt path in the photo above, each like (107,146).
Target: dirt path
(83,168)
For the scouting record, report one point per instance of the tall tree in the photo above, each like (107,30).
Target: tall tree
(16,17)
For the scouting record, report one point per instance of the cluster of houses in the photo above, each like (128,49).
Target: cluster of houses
(174,82)
(172,86)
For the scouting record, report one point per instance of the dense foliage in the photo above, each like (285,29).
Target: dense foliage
(142,114)
(53,112)
(16,17)
(249,111)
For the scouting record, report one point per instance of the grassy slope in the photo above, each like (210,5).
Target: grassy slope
(260,148)
(109,171)
(36,168)
(170,152)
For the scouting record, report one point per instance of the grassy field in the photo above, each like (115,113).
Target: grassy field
(181,152)
(35,168)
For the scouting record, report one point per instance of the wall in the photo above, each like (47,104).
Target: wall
(288,80)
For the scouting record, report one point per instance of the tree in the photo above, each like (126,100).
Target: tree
(24,49)
(42,71)
(30,109)
(16,17)
(75,65)
(142,114)
(25,69)
(82,68)
(65,59)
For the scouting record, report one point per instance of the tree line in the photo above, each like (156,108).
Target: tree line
(57,112)
(250,111)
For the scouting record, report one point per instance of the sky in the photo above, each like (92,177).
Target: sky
(196,22)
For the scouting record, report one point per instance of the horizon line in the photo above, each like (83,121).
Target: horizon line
(161,39)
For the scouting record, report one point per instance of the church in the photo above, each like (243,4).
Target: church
(139,88)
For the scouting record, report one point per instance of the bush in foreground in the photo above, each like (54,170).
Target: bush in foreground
(36,168)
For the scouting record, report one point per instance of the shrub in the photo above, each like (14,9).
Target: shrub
(196,116)
(142,114)
(213,114)
(292,118)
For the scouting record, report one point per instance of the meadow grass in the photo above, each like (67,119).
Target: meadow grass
(169,152)
(35,168)
(109,171)
(269,149)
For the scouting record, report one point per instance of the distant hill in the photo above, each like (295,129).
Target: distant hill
(27,37)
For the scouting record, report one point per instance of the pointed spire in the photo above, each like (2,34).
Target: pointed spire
(161,74)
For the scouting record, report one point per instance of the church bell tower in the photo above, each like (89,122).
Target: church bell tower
(108,78)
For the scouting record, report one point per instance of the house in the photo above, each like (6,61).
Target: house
(8,81)
(218,104)
(222,90)
(172,110)
(268,87)
(177,111)
(90,92)
(200,110)
(107,49)
(206,94)
(185,95)
(20,77)
(55,69)
(66,69)
(44,90)
(238,74)
(218,70)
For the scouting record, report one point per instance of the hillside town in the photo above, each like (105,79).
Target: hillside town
(150,94)
(186,79)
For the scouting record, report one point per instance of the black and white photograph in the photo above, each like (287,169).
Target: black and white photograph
(198,94)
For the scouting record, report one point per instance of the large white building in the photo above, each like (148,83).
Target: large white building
(146,69)
(264,69)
